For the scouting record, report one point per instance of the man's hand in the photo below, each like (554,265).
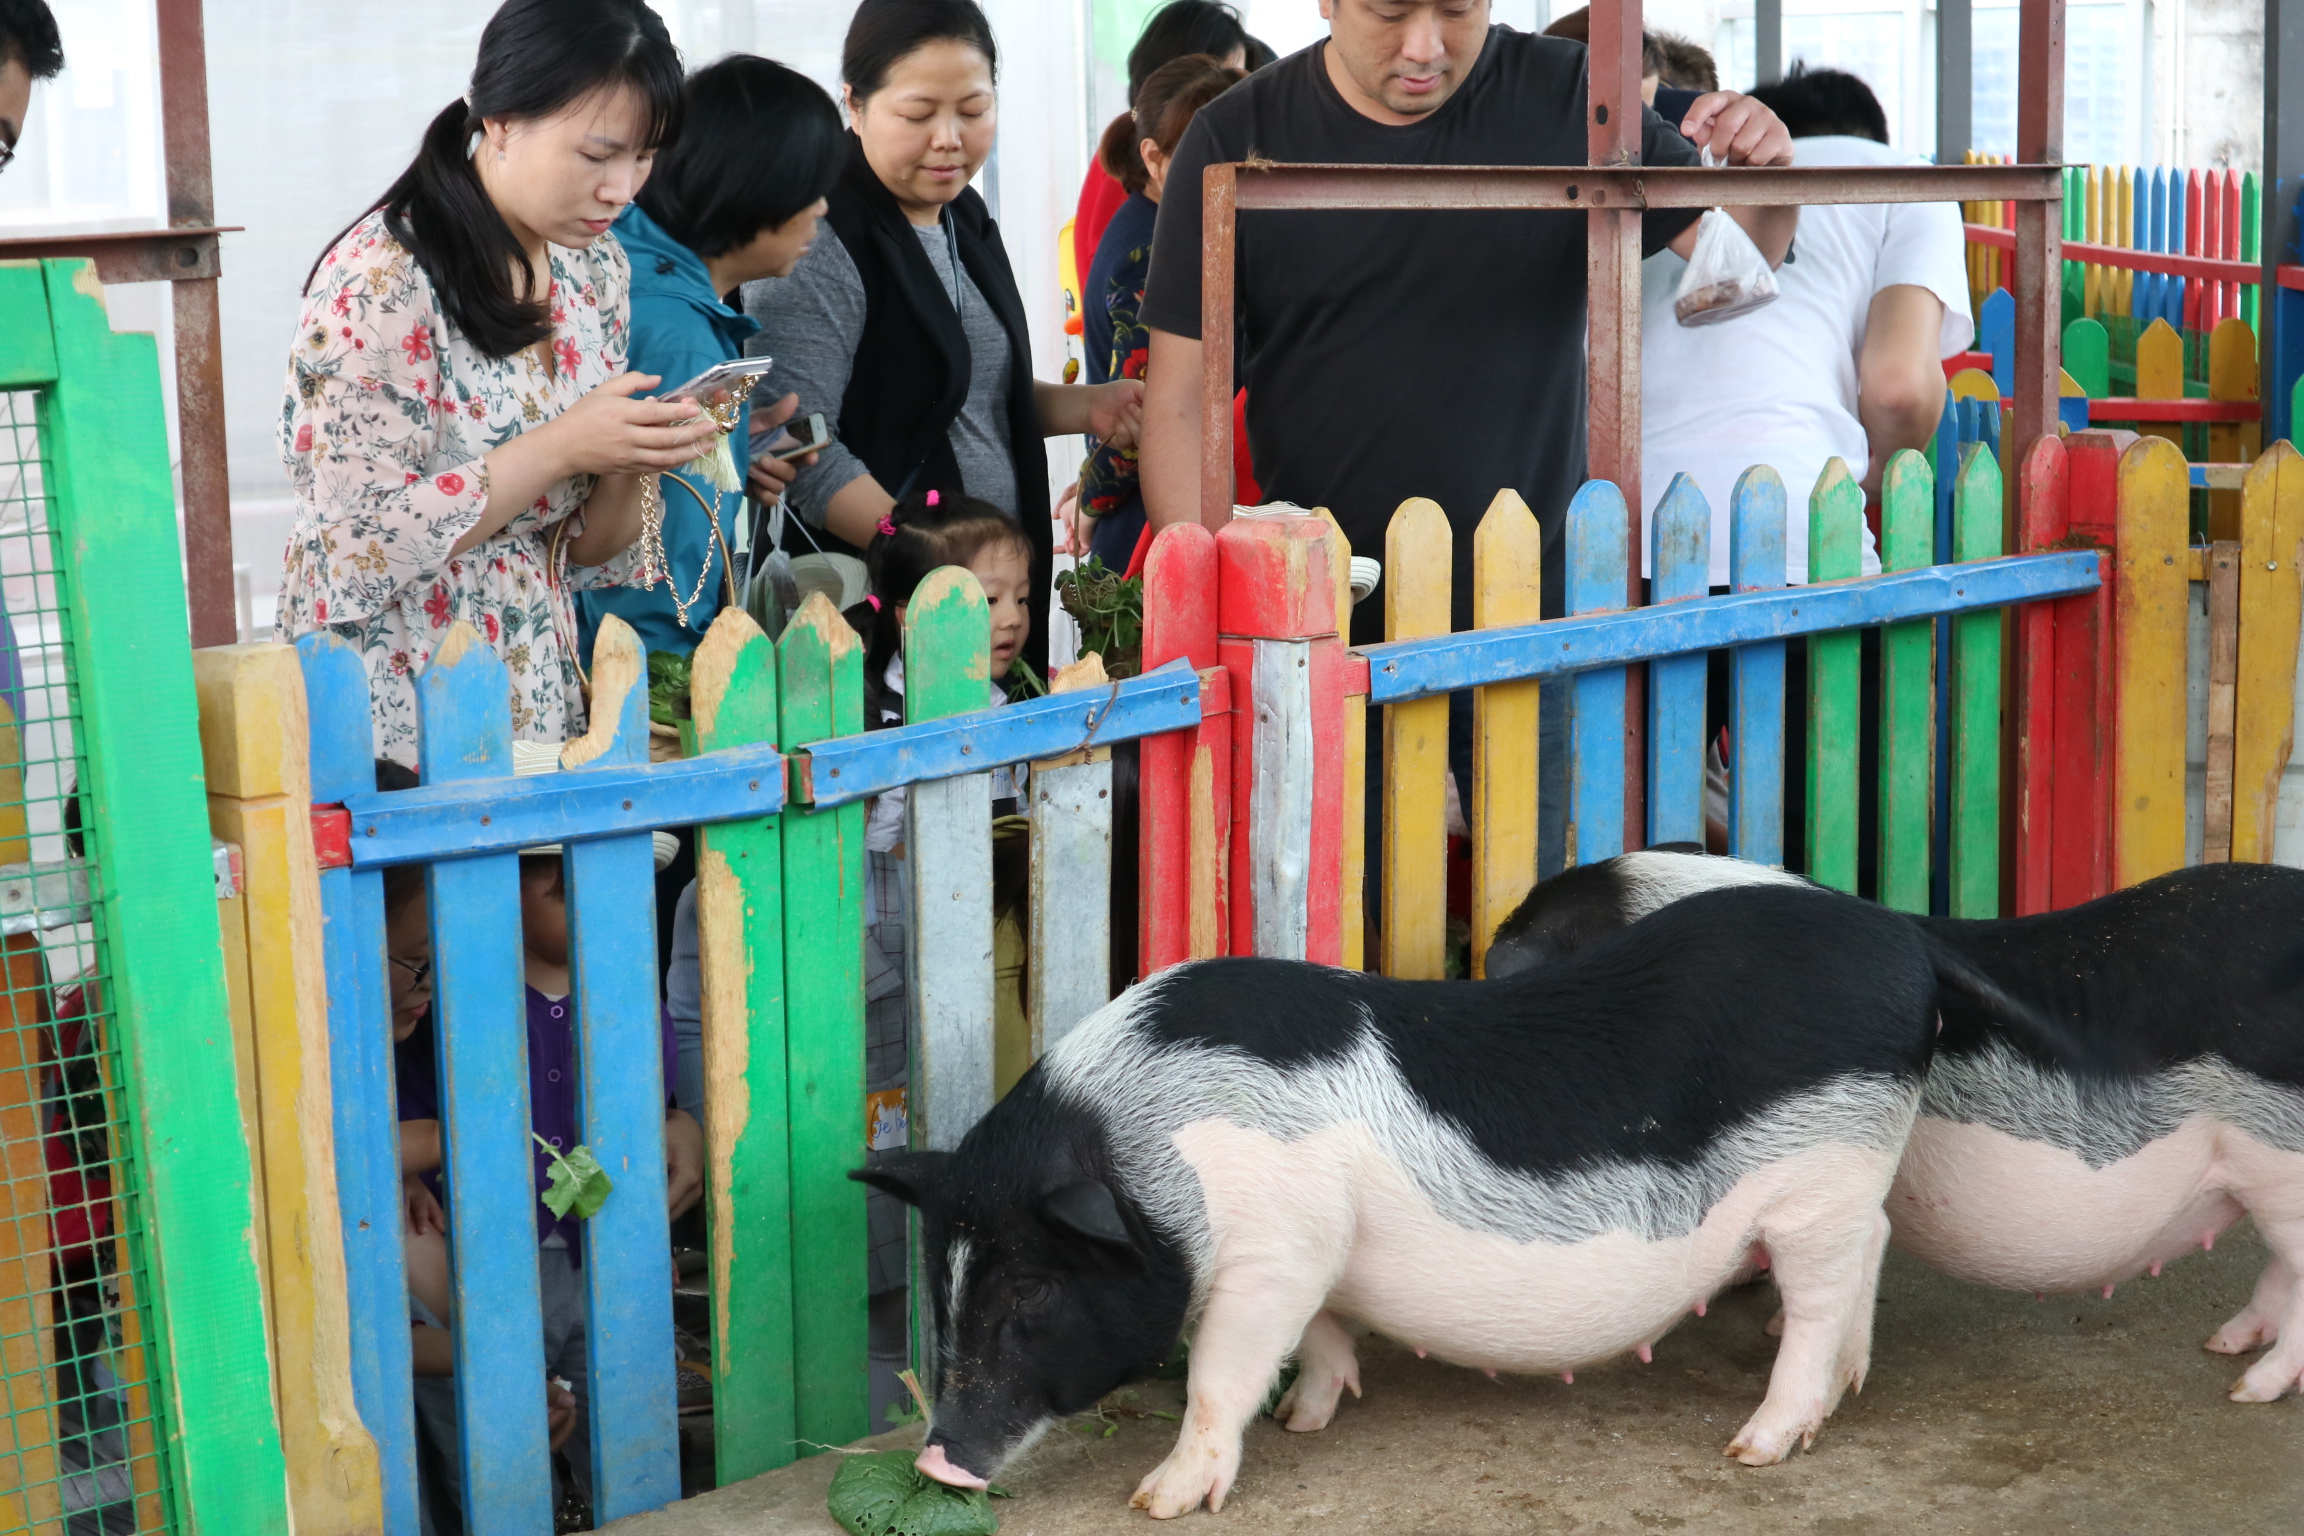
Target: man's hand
(683,1163)
(423,1207)
(1737,129)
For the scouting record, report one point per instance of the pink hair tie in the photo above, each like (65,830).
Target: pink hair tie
(887,526)
(932,498)
(874,599)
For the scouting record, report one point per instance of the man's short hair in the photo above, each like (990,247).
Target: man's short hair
(761,143)
(1687,67)
(28,35)
(1816,103)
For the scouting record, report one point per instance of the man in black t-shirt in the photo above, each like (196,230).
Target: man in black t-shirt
(1396,354)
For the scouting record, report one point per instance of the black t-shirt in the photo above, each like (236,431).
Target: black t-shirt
(1389,355)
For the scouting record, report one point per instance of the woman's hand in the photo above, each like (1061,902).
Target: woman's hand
(1116,412)
(683,1163)
(610,433)
(1070,538)
(559,1412)
(769,478)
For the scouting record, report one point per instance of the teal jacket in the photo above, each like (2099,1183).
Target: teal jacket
(679,329)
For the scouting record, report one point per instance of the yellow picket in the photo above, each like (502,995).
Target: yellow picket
(2271,606)
(2150,617)
(252,737)
(2231,376)
(1418,559)
(2160,375)
(1507,589)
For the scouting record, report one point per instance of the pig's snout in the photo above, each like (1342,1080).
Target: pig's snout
(934,1463)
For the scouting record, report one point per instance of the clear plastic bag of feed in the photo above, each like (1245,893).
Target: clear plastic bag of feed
(1726,277)
(881,1493)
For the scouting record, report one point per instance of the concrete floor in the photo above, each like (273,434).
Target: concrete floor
(1985,1412)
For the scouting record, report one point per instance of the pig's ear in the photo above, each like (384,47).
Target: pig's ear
(1087,1210)
(910,1176)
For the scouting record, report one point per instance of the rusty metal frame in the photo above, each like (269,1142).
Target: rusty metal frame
(185,254)
(1613,189)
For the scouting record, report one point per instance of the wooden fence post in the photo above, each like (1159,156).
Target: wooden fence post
(2151,629)
(464,709)
(105,468)
(1185,821)
(1756,675)
(1907,690)
(2271,602)
(620,1097)
(1680,568)
(948,854)
(361,1081)
(1597,558)
(1974,839)
(1507,589)
(820,695)
(1352,797)
(1071,853)
(1277,637)
(2065,681)
(1419,572)
(2223,700)
(748,1172)
(1835,553)
(255,748)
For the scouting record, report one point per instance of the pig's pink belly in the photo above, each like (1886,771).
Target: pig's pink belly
(1481,1299)
(1985,1206)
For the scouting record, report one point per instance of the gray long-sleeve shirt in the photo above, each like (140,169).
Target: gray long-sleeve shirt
(812,322)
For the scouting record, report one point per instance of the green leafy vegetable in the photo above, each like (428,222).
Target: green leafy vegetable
(578,1182)
(667,687)
(1110,609)
(883,1494)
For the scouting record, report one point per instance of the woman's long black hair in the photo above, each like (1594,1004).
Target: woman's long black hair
(536,56)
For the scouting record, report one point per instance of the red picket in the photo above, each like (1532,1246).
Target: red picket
(1180,623)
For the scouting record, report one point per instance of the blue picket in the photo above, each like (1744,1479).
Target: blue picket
(1756,674)
(2172,292)
(1596,571)
(1996,334)
(620,1096)
(1680,567)
(464,712)
(360,1080)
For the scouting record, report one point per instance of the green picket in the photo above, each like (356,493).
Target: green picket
(104,451)
(1835,552)
(2088,357)
(822,665)
(748,1176)
(1907,690)
(2251,222)
(1976,645)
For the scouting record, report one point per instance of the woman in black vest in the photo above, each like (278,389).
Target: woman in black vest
(902,324)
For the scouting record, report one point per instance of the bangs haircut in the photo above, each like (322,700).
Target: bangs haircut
(760,143)
(884,33)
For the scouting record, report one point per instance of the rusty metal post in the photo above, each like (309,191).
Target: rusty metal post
(1219,235)
(199,342)
(2039,225)
(1613,388)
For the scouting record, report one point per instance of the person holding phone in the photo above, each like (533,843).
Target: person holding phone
(706,223)
(902,326)
(464,439)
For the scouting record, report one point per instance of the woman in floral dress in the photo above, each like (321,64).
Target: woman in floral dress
(462,434)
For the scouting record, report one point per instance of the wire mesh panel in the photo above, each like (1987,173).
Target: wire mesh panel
(79,1428)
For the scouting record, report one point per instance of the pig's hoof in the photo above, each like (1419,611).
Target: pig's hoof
(1776,1324)
(2246,1332)
(1763,1445)
(1188,1478)
(2266,1386)
(1310,1401)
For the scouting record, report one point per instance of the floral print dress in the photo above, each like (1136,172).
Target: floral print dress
(389,415)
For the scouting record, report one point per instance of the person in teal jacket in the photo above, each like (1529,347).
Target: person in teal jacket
(735,197)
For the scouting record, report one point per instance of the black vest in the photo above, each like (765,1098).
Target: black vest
(911,370)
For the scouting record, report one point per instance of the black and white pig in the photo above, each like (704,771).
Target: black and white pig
(1525,1175)
(2181,1108)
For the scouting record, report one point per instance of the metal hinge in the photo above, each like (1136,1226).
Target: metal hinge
(36,897)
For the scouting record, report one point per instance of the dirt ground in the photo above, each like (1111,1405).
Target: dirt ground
(1985,1412)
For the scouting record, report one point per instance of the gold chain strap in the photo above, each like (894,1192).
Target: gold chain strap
(655,562)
